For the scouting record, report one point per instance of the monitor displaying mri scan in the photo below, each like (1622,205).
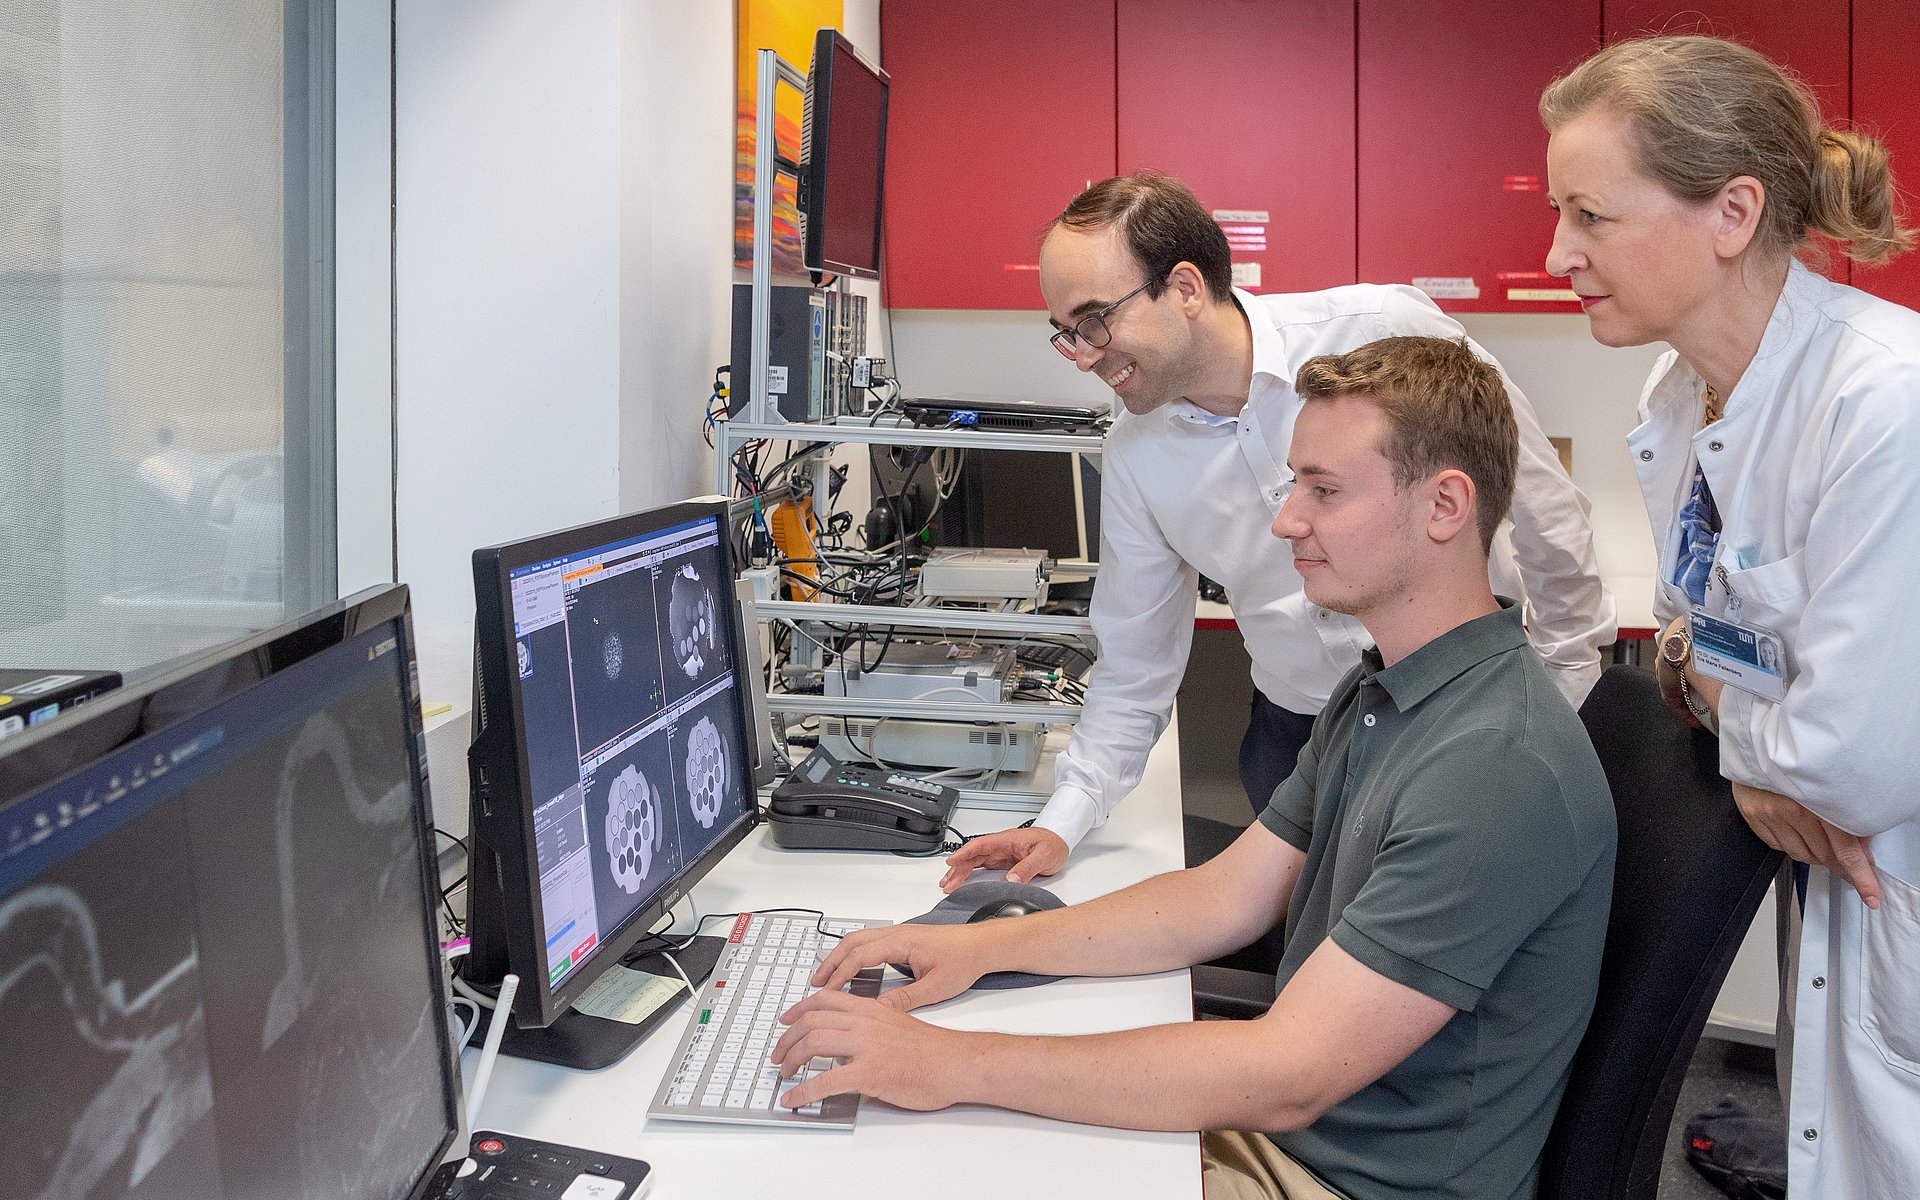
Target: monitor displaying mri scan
(220,975)
(612,765)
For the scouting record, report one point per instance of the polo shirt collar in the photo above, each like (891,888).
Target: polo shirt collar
(1447,657)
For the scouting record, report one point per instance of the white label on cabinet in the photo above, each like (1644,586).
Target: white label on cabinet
(1246,275)
(1256,216)
(776,380)
(1448,287)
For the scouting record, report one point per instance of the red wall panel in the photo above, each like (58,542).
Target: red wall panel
(1000,112)
(1452,162)
(1250,103)
(1886,61)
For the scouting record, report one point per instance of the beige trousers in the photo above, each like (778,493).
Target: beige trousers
(1248,1166)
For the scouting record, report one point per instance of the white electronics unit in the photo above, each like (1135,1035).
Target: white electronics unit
(947,744)
(949,672)
(960,573)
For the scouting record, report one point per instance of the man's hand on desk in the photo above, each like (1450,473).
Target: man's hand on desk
(945,960)
(884,1053)
(1022,853)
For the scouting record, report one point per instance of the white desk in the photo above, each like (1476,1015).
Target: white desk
(963,1152)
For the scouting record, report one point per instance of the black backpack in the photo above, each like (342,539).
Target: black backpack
(1743,1155)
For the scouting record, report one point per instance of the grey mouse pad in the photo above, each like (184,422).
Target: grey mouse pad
(969,899)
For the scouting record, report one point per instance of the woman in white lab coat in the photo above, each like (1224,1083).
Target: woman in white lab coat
(1779,456)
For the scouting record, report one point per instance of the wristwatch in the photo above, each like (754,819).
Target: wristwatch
(1676,650)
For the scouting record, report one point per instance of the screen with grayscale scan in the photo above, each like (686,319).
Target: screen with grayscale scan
(217,952)
(631,703)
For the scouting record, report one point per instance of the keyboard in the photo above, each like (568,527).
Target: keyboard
(722,1069)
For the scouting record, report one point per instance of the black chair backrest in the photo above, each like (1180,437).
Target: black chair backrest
(1687,880)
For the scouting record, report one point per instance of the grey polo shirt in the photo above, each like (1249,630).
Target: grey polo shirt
(1459,838)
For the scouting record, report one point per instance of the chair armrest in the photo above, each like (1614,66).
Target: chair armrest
(1225,993)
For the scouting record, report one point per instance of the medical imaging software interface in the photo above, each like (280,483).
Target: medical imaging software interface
(215,954)
(633,726)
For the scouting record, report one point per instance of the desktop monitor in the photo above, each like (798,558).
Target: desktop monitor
(611,765)
(843,151)
(220,973)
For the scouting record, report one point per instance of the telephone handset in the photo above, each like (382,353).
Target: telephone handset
(830,805)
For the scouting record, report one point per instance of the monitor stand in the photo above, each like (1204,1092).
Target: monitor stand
(588,1043)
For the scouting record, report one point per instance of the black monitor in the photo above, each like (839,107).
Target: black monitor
(843,151)
(220,973)
(611,766)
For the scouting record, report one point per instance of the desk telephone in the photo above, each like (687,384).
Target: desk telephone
(830,805)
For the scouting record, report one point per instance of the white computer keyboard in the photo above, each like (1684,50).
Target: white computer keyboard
(722,1069)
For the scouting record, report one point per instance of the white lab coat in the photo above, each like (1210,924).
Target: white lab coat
(1816,470)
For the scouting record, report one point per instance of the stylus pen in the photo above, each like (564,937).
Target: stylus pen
(496,1028)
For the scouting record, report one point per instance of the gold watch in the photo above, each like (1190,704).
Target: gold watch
(1676,650)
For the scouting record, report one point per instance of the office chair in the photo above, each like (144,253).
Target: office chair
(1688,877)
(1687,880)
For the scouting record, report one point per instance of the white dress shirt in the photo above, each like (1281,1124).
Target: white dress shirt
(1815,467)
(1186,491)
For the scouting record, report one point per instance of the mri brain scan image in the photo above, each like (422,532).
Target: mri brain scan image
(633,828)
(692,621)
(706,772)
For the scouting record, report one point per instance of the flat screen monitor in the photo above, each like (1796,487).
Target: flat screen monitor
(220,973)
(611,766)
(843,152)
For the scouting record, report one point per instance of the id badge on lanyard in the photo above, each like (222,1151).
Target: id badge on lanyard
(1749,657)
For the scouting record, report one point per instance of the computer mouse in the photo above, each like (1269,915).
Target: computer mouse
(1002,908)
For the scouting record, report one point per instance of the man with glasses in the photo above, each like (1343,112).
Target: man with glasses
(1138,284)
(1440,862)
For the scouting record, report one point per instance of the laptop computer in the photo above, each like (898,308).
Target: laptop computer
(989,412)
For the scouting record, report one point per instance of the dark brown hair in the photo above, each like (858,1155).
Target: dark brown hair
(1446,408)
(1164,225)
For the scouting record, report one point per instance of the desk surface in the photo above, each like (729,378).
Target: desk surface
(962,1152)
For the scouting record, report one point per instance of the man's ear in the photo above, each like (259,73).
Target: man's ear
(1452,496)
(1186,283)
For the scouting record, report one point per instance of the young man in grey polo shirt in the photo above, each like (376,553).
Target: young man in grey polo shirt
(1442,859)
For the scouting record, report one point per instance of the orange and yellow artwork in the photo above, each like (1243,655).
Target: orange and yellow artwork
(787,27)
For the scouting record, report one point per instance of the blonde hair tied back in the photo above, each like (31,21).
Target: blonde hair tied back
(1705,111)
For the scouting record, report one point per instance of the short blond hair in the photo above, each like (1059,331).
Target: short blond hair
(1446,408)
(1704,111)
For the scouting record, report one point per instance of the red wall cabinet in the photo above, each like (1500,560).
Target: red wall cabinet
(1886,60)
(1250,103)
(1000,112)
(1452,163)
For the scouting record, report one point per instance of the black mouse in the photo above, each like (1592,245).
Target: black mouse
(1001,908)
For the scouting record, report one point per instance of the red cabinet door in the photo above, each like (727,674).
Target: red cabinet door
(1452,156)
(1808,37)
(1250,103)
(999,113)
(1886,60)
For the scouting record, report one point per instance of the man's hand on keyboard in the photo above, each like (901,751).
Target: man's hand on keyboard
(945,960)
(883,1053)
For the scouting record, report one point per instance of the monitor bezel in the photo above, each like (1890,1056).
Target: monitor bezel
(504,916)
(814,176)
(30,763)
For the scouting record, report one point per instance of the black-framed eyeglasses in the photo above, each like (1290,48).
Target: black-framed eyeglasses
(1092,328)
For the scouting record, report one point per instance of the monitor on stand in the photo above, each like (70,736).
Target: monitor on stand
(843,148)
(220,970)
(611,765)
